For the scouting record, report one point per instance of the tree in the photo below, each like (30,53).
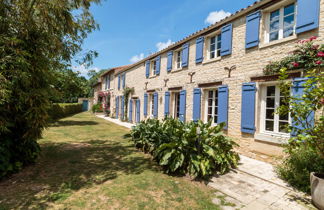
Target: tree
(38,38)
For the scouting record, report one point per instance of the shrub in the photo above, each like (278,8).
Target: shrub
(298,165)
(96,108)
(197,149)
(58,111)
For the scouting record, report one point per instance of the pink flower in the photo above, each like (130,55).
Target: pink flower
(320,54)
(318,62)
(295,64)
(312,38)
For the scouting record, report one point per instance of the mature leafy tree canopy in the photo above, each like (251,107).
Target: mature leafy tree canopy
(38,38)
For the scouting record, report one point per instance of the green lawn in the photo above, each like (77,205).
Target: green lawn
(86,163)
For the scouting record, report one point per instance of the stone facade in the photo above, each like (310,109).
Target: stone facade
(249,63)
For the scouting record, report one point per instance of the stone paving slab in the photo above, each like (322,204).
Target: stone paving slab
(116,121)
(254,185)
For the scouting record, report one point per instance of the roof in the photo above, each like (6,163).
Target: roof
(235,15)
(115,69)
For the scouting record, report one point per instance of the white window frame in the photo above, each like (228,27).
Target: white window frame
(208,46)
(151,103)
(263,130)
(178,55)
(176,104)
(206,93)
(153,67)
(266,15)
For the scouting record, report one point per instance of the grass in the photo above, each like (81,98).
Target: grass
(87,163)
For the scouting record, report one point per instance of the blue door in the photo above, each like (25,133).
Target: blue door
(85,105)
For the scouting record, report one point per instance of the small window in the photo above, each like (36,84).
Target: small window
(176,110)
(282,23)
(153,67)
(215,46)
(178,59)
(211,104)
(152,104)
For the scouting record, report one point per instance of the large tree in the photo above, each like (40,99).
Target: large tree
(38,38)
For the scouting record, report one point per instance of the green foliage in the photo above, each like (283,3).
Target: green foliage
(37,40)
(307,56)
(58,111)
(93,79)
(305,149)
(198,149)
(297,167)
(96,108)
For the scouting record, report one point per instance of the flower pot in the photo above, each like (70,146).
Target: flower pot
(317,189)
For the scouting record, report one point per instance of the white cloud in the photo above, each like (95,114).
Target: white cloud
(216,16)
(163,45)
(137,58)
(83,69)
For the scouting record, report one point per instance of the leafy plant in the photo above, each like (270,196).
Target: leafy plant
(198,149)
(96,108)
(63,110)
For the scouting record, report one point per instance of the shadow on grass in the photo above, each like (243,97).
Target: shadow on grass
(65,168)
(72,123)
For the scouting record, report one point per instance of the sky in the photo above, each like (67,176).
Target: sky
(133,29)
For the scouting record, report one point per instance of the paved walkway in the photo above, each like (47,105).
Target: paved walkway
(254,185)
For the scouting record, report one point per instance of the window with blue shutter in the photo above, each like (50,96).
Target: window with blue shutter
(185,55)
(147,66)
(297,92)
(124,80)
(145,104)
(130,117)
(167,104)
(182,110)
(199,49)
(158,65)
(196,104)
(138,110)
(308,13)
(117,106)
(119,82)
(156,102)
(227,32)
(223,105)
(169,63)
(122,111)
(248,108)
(252,29)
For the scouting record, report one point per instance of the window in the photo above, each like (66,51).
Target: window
(271,121)
(215,46)
(178,59)
(152,104)
(282,23)
(107,84)
(211,112)
(153,67)
(176,110)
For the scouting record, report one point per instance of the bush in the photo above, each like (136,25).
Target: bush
(58,111)
(197,149)
(97,108)
(298,165)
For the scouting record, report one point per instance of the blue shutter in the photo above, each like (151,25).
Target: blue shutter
(122,111)
(156,102)
(119,82)
(182,108)
(248,108)
(196,104)
(158,65)
(298,91)
(167,104)
(147,65)
(226,48)
(307,15)
(130,117)
(199,49)
(124,80)
(138,110)
(185,55)
(223,105)
(169,64)
(145,104)
(252,29)
(117,106)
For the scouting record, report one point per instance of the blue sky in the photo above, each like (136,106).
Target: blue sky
(131,29)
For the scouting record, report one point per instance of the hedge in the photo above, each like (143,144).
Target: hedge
(58,111)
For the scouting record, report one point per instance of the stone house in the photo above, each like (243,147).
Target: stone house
(217,73)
